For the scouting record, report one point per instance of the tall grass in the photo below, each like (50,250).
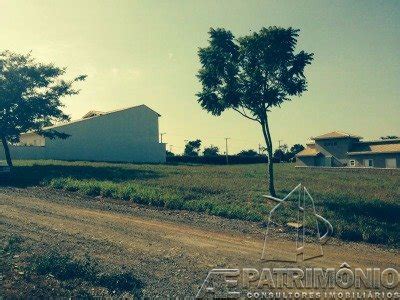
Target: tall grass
(150,195)
(362,205)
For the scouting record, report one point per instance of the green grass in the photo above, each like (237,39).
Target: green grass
(77,277)
(362,205)
(64,267)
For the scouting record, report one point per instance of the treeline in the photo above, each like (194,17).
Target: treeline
(218,160)
(212,155)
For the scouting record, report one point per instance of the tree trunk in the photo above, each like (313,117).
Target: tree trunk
(268,142)
(6,151)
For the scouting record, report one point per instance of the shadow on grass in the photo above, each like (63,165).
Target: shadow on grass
(371,209)
(25,176)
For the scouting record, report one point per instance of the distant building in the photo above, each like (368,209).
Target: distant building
(125,135)
(340,149)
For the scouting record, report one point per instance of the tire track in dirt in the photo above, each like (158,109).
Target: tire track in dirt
(180,254)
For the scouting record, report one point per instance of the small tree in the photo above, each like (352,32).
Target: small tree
(252,75)
(296,148)
(169,153)
(280,155)
(30,94)
(192,148)
(211,151)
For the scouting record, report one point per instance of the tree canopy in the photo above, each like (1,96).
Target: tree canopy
(249,152)
(30,97)
(211,151)
(192,148)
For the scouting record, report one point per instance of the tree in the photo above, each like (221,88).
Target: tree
(296,148)
(30,94)
(192,148)
(389,137)
(211,151)
(252,75)
(280,156)
(169,153)
(249,152)
(284,147)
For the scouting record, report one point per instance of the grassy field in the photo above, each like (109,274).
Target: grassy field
(362,205)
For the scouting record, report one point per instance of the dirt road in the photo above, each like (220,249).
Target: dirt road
(171,252)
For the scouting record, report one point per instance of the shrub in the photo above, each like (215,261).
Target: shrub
(124,192)
(90,188)
(174,203)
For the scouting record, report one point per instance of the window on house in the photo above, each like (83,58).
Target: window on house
(368,162)
(352,163)
(330,144)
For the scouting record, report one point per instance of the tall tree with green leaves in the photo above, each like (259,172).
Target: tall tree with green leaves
(252,75)
(192,148)
(211,151)
(30,97)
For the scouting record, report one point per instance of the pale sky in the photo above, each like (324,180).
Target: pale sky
(145,52)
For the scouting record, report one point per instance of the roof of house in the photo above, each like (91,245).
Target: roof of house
(100,115)
(336,135)
(308,152)
(96,114)
(375,147)
(93,113)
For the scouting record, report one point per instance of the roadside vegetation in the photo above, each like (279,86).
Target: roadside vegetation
(362,205)
(44,273)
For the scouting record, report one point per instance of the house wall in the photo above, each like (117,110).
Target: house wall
(305,161)
(379,159)
(26,152)
(339,150)
(126,136)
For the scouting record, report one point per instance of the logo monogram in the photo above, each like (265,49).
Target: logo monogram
(309,241)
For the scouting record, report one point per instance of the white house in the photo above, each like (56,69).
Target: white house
(125,135)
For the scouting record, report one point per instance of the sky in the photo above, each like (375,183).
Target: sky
(145,52)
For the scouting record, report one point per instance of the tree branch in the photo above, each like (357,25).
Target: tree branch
(245,115)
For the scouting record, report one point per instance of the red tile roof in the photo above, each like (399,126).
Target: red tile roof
(308,152)
(336,135)
(375,147)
